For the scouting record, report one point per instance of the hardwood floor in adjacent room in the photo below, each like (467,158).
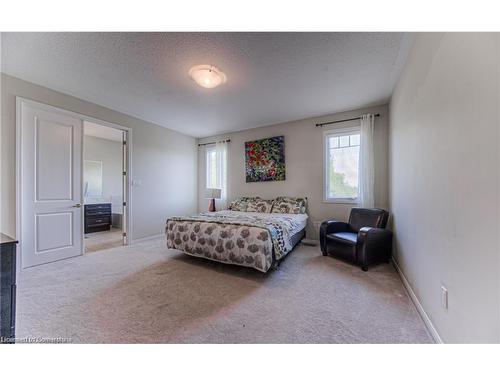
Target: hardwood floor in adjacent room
(103,240)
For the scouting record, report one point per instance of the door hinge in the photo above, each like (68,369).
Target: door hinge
(124,234)
(124,204)
(124,143)
(124,173)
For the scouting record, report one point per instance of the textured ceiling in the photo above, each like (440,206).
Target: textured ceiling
(272,77)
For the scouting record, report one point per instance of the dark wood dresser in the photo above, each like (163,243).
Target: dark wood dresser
(97,217)
(7,289)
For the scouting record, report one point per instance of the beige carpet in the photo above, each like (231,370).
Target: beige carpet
(148,294)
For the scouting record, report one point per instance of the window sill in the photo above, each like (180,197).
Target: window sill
(353,202)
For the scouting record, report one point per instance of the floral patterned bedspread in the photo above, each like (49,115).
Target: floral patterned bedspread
(247,239)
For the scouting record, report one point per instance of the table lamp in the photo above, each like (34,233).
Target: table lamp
(212,194)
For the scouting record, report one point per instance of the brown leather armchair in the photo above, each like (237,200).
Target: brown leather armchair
(363,240)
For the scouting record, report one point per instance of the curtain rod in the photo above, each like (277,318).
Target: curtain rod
(212,143)
(347,119)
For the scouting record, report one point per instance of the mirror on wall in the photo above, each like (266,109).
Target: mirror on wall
(92,177)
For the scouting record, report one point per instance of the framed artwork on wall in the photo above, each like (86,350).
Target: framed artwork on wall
(265,159)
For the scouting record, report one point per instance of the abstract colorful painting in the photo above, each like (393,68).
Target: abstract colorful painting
(265,159)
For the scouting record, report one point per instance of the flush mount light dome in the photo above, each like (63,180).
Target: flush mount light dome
(207,76)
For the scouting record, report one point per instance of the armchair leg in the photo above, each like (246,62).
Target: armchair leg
(324,249)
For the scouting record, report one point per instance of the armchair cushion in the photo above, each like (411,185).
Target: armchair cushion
(344,236)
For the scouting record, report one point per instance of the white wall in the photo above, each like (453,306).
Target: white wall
(304,164)
(163,160)
(110,154)
(444,180)
(1,137)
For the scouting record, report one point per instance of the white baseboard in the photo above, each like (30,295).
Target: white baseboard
(427,321)
(142,239)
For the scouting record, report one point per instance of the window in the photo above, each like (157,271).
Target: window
(216,170)
(341,168)
(212,170)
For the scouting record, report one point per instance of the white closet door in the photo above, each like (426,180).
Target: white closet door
(50,172)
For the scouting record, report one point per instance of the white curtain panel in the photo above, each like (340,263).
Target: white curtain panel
(366,163)
(221,152)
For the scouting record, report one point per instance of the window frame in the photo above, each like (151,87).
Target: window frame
(326,135)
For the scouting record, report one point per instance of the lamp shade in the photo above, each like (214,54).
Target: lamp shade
(207,76)
(213,193)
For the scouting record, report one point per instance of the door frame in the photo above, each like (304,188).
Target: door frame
(19,165)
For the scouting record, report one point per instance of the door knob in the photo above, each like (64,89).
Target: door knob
(78,205)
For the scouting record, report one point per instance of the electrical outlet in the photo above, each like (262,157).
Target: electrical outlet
(444,297)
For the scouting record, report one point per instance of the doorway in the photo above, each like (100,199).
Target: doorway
(104,183)
(50,186)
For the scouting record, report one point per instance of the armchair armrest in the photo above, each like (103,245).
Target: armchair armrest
(373,244)
(330,226)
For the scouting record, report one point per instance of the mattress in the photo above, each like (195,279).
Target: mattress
(300,220)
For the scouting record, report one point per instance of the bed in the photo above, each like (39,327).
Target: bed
(250,239)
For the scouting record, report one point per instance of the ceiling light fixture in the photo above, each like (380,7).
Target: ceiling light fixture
(207,76)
